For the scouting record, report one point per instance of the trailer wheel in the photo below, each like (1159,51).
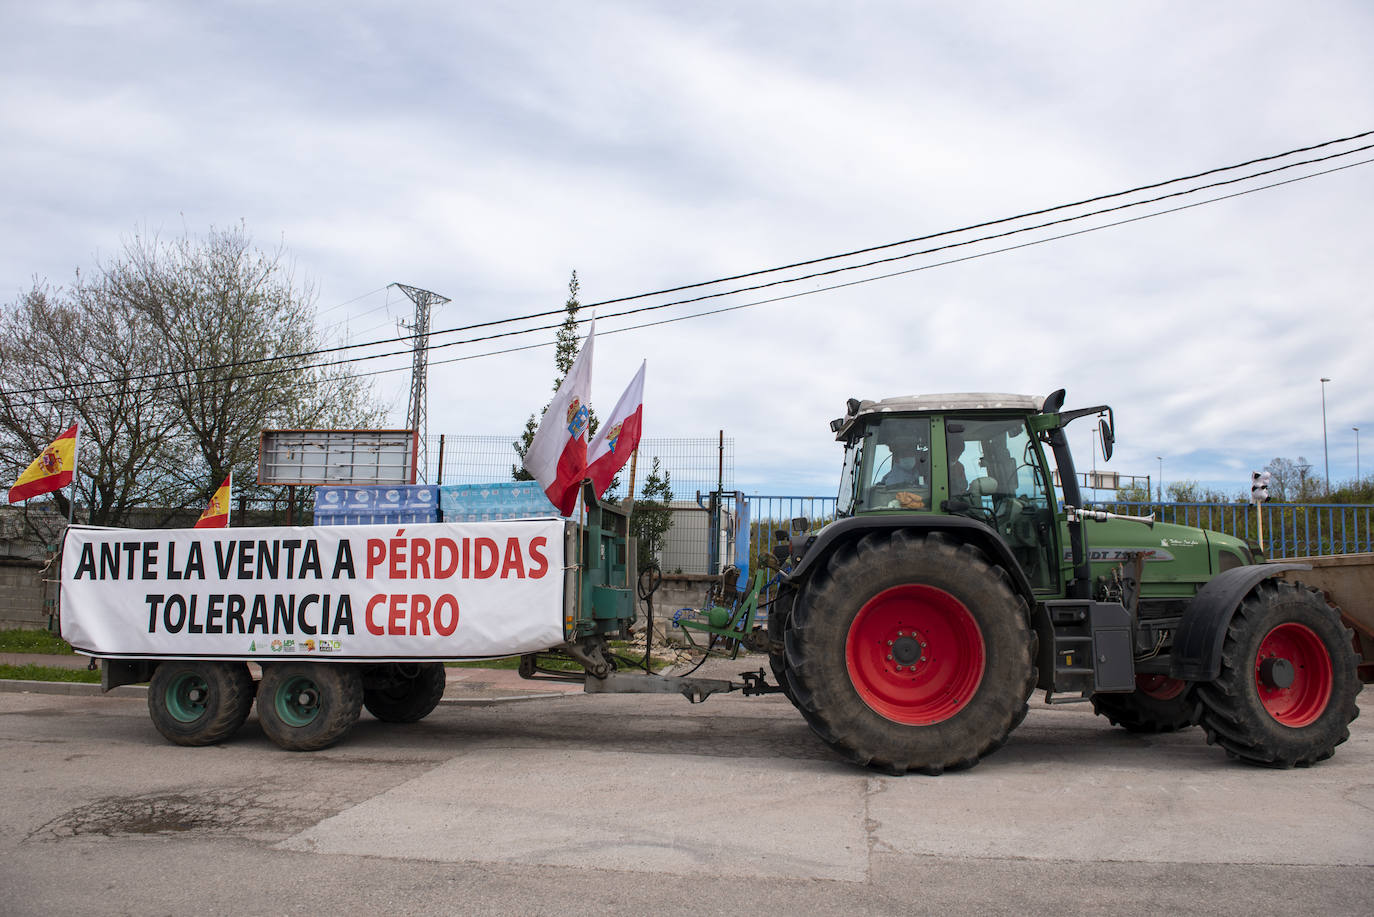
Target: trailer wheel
(910,652)
(1158,704)
(199,703)
(397,693)
(1285,696)
(305,706)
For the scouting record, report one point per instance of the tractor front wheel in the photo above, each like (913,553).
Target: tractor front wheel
(1158,704)
(1285,696)
(910,652)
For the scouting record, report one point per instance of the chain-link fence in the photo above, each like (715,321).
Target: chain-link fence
(693,464)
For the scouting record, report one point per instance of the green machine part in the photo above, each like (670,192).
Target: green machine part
(605,598)
(734,624)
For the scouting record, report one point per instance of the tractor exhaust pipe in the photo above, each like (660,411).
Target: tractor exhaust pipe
(1097,515)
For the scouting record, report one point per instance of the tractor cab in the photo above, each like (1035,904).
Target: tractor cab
(972,455)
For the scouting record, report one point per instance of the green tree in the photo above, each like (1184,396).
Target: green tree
(1134,493)
(565,352)
(652,516)
(1194,492)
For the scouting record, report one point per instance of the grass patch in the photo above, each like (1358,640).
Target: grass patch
(48,673)
(23,640)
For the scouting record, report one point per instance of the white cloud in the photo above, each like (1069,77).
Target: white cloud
(484,151)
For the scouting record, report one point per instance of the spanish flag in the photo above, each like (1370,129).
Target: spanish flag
(52,470)
(216,515)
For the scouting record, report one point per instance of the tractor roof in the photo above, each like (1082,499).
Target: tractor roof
(954,401)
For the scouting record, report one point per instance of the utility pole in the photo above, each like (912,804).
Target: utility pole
(1326,456)
(418,417)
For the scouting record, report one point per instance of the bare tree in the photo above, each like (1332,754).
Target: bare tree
(172,357)
(70,357)
(240,329)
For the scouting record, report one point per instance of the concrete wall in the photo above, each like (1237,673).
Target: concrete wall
(678,591)
(23,593)
(26,536)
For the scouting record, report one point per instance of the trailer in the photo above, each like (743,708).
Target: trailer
(343,617)
(1347,582)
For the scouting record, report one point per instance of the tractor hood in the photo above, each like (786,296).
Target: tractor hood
(1179,559)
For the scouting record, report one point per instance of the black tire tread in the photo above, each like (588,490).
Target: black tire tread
(1231,712)
(421,695)
(821,689)
(231,698)
(341,692)
(1140,713)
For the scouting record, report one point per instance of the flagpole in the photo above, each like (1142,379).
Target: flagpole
(634,457)
(76,464)
(229,503)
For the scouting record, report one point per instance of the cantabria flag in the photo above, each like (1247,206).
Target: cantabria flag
(52,470)
(618,435)
(557,456)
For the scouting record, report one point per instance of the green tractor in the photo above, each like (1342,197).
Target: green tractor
(911,632)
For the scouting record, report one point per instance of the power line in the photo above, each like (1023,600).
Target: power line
(770,284)
(997,222)
(789,296)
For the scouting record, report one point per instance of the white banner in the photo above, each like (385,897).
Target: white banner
(363,592)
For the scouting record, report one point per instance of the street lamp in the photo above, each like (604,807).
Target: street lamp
(1159,485)
(1357,454)
(1325,454)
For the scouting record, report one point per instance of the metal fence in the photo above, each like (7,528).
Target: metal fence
(1290,529)
(693,465)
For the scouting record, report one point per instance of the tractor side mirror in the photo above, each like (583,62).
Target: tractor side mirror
(1108,438)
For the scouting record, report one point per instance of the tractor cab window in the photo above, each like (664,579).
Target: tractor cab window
(895,472)
(997,477)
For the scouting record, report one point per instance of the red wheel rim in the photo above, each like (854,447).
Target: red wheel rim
(1160,687)
(1293,674)
(915,654)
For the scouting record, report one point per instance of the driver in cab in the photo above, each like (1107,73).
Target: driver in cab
(908,473)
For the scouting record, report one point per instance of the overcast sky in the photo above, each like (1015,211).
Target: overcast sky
(486,150)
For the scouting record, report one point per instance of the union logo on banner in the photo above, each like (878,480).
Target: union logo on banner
(577,417)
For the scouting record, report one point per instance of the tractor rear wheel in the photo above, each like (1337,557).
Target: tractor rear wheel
(1285,696)
(199,703)
(304,706)
(910,652)
(400,693)
(1158,704)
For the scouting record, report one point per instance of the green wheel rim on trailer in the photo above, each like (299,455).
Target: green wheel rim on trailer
(298,701)
(186,697)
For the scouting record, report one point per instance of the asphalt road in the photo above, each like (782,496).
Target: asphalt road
(644,804)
